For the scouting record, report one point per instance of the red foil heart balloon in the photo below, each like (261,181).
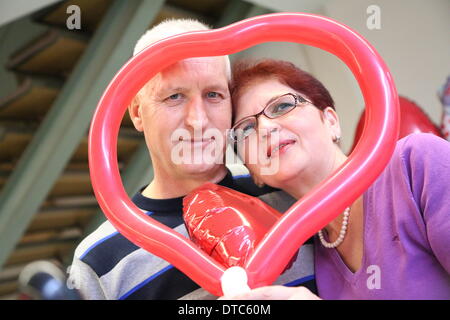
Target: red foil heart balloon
(412,120)
(311,213)
(227,224)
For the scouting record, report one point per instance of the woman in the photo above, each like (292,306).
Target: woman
(391,243)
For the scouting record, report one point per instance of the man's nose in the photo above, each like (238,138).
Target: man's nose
(196,114)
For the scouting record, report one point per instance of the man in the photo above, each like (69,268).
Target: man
(184,111)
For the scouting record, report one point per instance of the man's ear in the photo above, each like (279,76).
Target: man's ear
(134,109)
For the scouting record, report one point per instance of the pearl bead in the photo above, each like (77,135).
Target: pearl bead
(342,232)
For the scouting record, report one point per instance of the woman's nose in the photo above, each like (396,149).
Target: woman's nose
(266,127)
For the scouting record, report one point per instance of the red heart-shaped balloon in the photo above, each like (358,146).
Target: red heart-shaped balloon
(226,224)
(324,203)
(412,120)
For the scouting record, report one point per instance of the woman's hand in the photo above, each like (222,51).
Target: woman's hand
(276,293)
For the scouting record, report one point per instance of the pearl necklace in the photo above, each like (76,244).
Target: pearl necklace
(341,233)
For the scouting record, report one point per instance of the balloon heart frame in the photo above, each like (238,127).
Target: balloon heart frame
(308,215)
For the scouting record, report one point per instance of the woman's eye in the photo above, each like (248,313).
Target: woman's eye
(282,107)
(248,127)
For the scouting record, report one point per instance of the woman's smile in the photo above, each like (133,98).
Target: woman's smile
(280,147)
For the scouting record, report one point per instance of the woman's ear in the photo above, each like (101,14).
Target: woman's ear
(134,109)
(332,121)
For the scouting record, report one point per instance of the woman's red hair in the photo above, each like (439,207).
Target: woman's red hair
(246,73)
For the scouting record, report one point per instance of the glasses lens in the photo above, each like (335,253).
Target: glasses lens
(243,130)
(281,106)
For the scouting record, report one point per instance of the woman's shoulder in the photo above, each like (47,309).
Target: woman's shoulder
(420,162)
(419,159)
(422,141)
(423,148)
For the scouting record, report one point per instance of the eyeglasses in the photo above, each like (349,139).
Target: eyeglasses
(274,109)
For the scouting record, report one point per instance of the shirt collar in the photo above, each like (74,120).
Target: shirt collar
(172,204)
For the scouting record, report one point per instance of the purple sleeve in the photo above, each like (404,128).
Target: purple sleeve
(427,158)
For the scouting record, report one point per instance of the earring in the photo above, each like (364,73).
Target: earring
(336,139)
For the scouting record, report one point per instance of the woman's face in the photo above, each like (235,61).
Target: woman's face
(296,144)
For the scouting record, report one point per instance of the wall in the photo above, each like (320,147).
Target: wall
(413,41)
(13,10)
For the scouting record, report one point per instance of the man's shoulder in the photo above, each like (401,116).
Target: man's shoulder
(104,248)
(278,200)
(127,271)
(104,232)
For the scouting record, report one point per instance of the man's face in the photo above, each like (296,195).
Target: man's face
(184,116)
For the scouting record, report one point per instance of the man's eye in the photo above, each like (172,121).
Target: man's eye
(174,100)
(174,96)
(213,95)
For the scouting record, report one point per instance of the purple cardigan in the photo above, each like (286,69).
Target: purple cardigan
(406,230)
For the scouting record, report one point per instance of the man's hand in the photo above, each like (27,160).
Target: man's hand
(276,293)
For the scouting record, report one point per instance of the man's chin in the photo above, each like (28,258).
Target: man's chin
(199,169)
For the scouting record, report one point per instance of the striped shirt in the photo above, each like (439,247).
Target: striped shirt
(109,266)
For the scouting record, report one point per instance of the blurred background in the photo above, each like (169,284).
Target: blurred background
(54,68)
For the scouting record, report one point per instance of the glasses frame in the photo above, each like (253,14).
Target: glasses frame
(298,101)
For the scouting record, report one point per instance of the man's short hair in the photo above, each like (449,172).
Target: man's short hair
(167,28)
(171,27)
